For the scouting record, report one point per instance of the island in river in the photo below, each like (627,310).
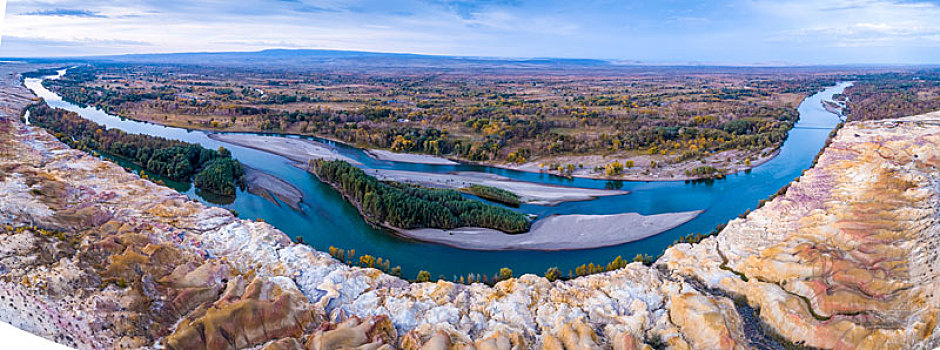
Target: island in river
(409,157)
(273,188)
(443,216)
(551,233)
(400,205)
(528,192)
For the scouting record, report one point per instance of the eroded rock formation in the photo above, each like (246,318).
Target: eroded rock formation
(94,257)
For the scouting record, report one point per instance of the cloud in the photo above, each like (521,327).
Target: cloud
(858,23)
(690,19)
(61,12)
(727,31)
(302,6)
(20,46)
(79,41)
(469,9)
(313,9)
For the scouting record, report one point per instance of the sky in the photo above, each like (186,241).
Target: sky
(741,32)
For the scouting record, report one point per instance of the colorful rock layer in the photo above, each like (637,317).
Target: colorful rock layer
(94,257)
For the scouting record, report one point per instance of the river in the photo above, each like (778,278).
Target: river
(328,220)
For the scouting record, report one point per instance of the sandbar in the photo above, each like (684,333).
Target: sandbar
(558,232)
(409,157)
(271,187)
(528,192)
(295,149)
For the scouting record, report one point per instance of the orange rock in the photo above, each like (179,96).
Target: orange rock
(263,312)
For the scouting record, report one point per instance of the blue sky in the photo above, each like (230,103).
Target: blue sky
(668,31)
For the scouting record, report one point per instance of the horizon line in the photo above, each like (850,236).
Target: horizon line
(613,62)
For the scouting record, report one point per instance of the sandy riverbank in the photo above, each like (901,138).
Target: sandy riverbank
(271,187)
(409,157)
(729,162)
(833,107)
(529,192)
(295,149)
(559,232)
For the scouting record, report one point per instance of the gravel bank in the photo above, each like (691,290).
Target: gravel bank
(559,232)
(409,158)
(529,192)
(271,187)
(298,150)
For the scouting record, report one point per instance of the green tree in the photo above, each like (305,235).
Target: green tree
(367,261)
(409,206)
(423,276)
(504,274)
(614,169)
(211,170)
(552,274)
(395,271)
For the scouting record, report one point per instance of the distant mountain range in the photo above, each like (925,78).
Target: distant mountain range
(343,59)
(339,59)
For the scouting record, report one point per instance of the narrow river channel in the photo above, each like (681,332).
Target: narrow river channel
(327,220)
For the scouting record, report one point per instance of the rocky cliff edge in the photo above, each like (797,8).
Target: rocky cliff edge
(94,257)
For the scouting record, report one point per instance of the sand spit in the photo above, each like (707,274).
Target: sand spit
(271,187)
(559,232)
(409,157)
(529,192)
(298,150)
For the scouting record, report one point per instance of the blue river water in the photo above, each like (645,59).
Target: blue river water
(328,220)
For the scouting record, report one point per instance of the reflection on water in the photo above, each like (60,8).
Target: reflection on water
(328,220)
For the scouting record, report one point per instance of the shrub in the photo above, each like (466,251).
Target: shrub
(423,276)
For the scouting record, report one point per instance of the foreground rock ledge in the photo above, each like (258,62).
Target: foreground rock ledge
(94,257)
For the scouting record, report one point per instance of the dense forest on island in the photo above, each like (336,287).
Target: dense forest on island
(494,194)
(210,170)
(409,206)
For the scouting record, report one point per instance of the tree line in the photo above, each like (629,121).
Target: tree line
(657,118)
(211,170)
(892,95)
(409,206)
(494,194)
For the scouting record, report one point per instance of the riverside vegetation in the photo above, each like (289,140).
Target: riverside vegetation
(892,94)
(348,256)
(500,117)
(210,170)
(494,194)
(409,206)
(425,207)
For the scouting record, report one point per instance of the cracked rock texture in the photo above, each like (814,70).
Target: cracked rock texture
(94,257)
